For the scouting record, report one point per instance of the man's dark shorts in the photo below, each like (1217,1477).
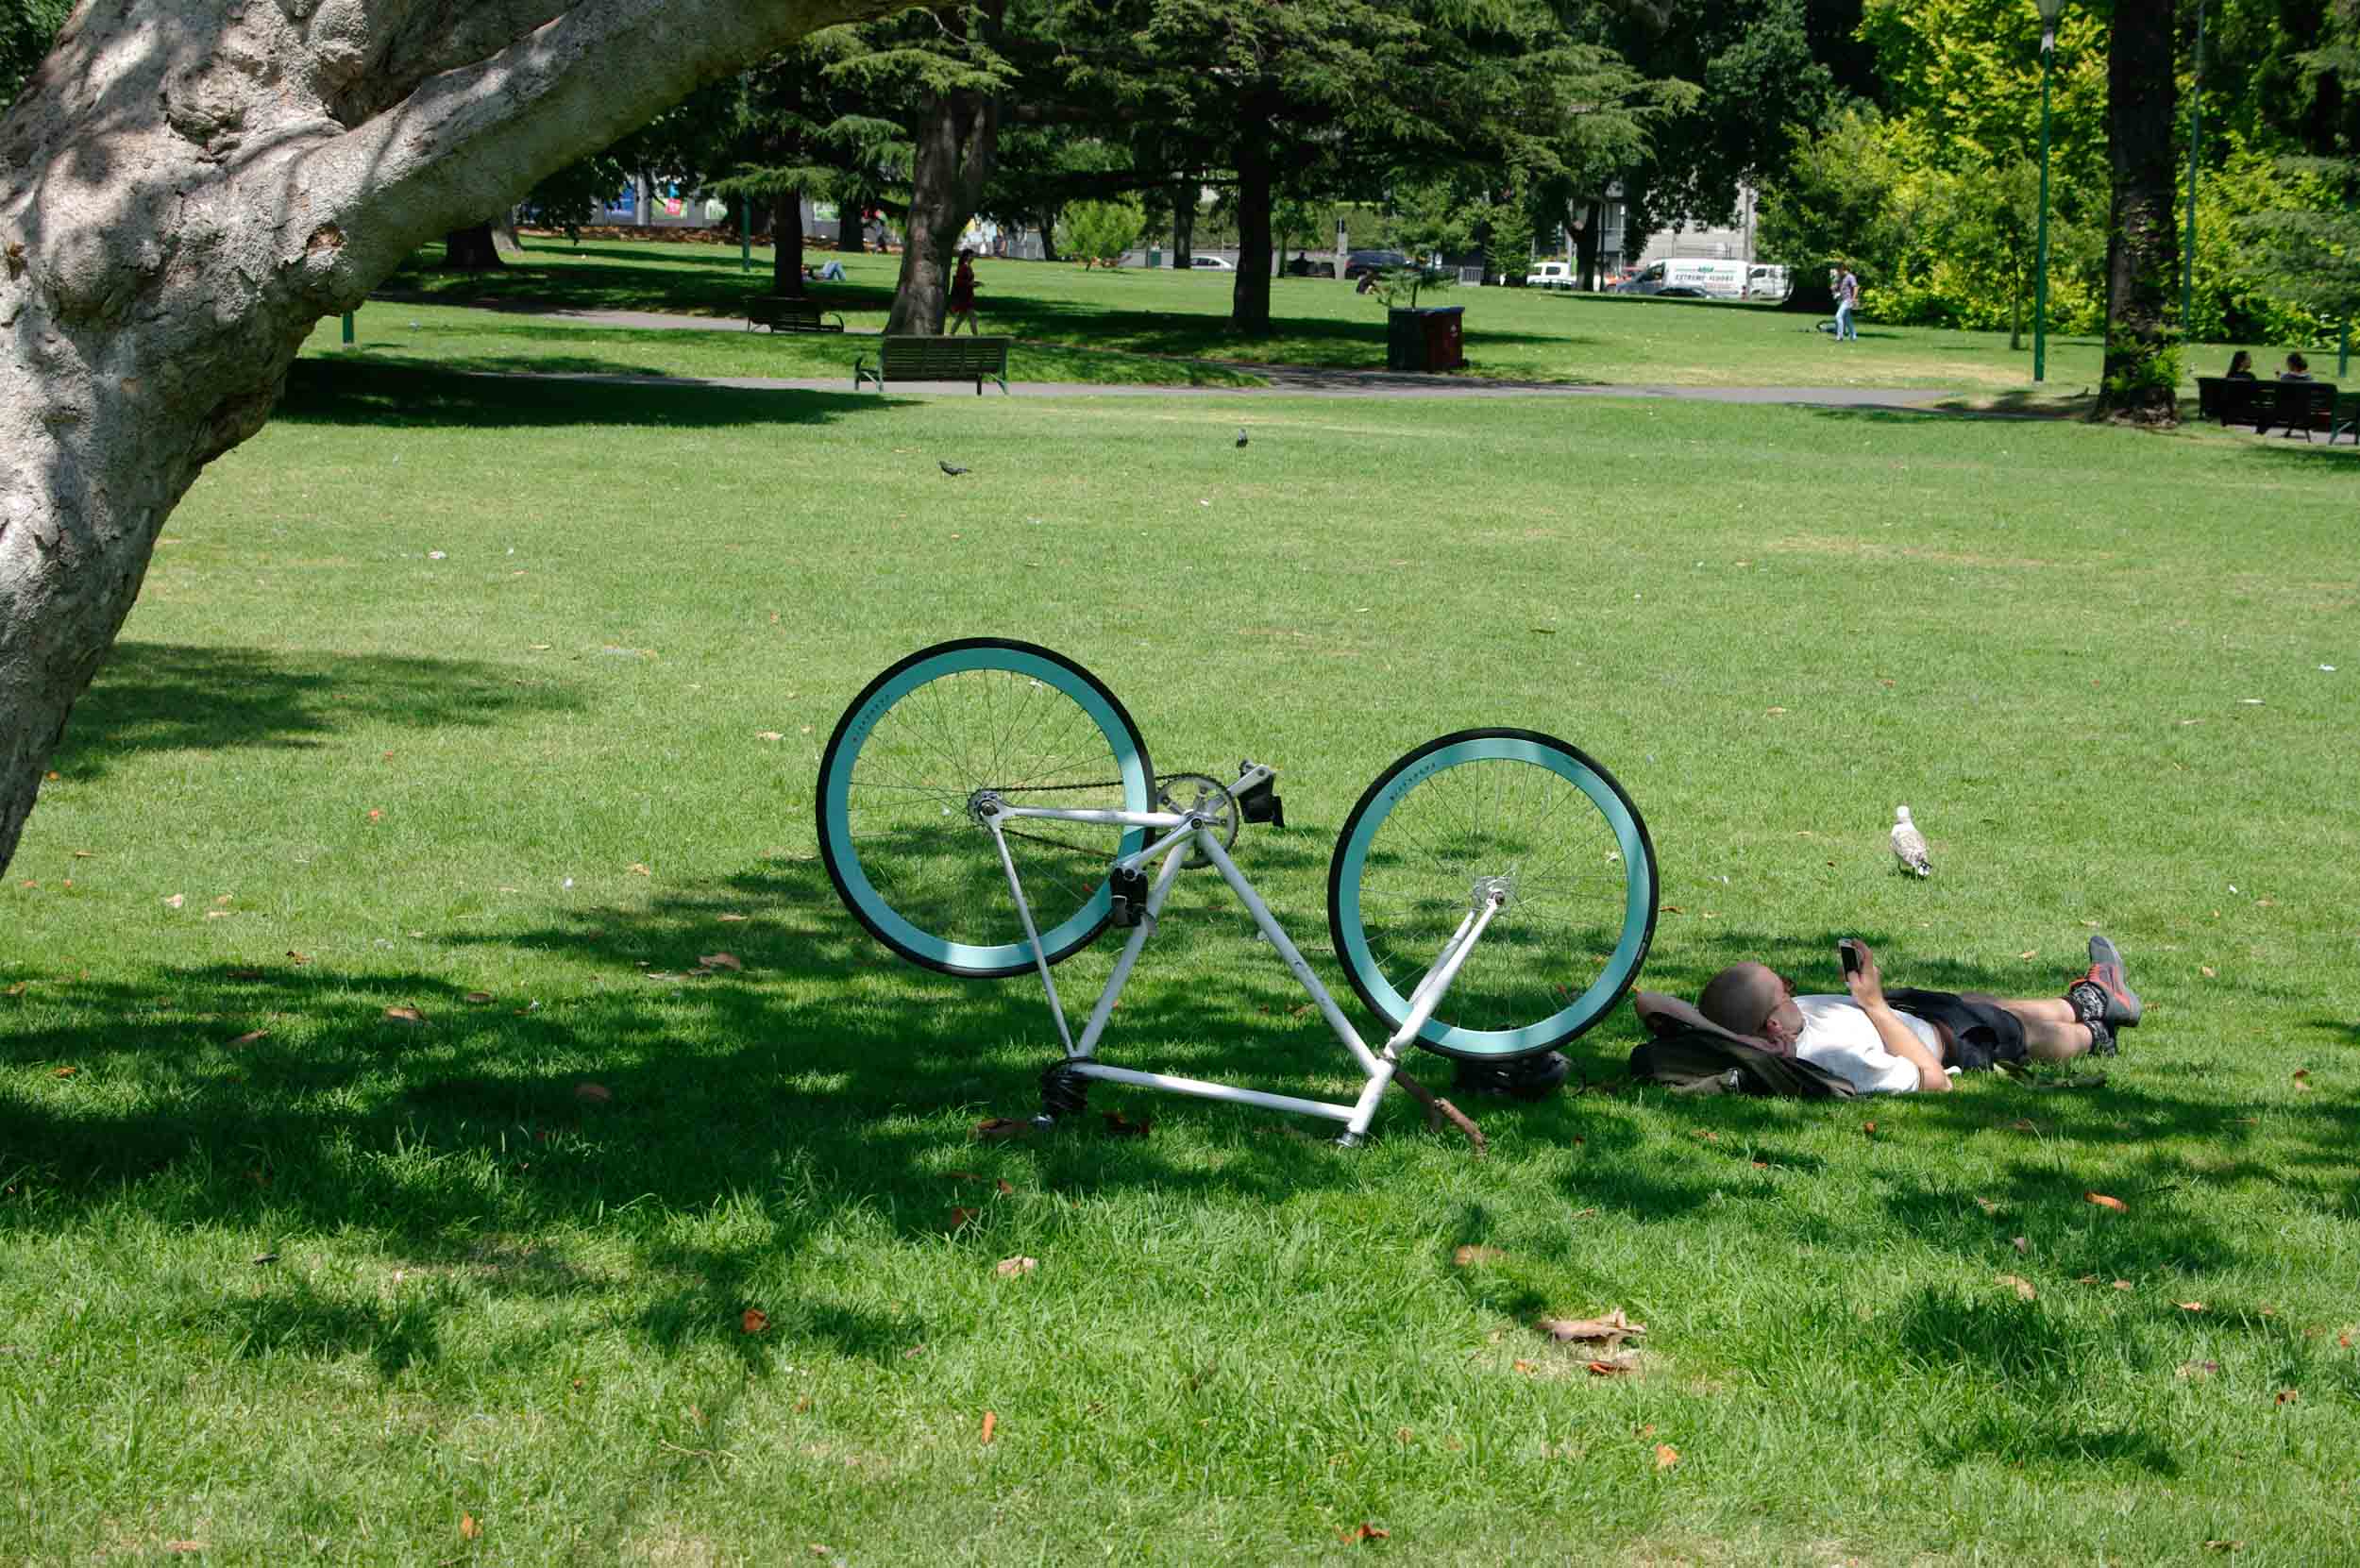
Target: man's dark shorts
(1976,1033)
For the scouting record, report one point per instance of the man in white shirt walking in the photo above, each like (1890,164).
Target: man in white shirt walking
(1904,1039)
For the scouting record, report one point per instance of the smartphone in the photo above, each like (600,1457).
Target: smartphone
(1848,951)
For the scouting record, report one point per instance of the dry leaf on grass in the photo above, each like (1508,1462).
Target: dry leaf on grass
(2105,1202)
(992,1425)
(1008,1268)
(994,1128)
(1363,1533)
(2224,1545)
(469,1528)
(753,1320)
(250,1037)
(1612,1366)
(719,961)
(184,1545)
(592,1094)
(1469,1256)
(1609,1330)
(176,901)
(409,1016)
(1667,1455)
(1119,1125)
(478,998)
(2287,1396)
(964,1215)
(2195,1370)
(635,868)
(727,920)
(2022,1286)
(1527,1368)
(2020,1244)
(2189,1306)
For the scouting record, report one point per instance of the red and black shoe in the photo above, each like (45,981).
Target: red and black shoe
(2104,995)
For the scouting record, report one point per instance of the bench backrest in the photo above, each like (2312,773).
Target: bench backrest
(2292,404)
(915,355)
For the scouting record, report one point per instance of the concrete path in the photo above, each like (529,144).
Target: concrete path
(1300,379)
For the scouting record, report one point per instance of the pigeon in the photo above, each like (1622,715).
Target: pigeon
(1909,844)
(1242,435)
(952,469)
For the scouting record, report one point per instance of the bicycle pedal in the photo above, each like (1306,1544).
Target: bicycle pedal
(1130,890)
(1261,804)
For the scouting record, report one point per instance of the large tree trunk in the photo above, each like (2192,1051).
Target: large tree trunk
(2142,376)
(1184,226)
(1049,233)
(471,249)
(958,134)
(1249,300)
(1588,232)
(786,239)
(851,228)
(184,191)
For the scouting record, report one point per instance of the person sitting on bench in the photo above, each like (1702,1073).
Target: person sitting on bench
(1904,1039)
(2298,369)
(2240,367)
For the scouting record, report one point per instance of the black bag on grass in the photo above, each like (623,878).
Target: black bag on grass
(1689,1054)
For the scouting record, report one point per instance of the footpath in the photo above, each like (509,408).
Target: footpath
(1283,378)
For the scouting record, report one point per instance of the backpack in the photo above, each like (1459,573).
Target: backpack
(1689,1054)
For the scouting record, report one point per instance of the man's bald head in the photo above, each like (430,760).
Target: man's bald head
(1742,997)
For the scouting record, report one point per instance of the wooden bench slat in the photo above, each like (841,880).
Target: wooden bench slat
(2291,406)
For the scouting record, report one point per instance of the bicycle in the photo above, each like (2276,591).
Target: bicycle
(983,768)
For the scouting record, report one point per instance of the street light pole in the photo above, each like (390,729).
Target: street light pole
(2196,133)
(2050,11)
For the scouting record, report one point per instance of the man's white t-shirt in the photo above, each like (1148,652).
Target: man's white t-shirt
(1838,1035)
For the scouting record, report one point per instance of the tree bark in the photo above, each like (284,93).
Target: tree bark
(958,134)
(1587,236)
(1184,226)
(1249,299)
(1049,233)
(471,249)
(851,228)
(2142,375)
(786,240)
(184,192)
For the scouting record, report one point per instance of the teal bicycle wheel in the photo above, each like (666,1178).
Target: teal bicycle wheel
(900,777)
(1476,811)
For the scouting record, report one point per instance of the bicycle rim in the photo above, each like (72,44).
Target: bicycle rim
(1569,846)
(907,760)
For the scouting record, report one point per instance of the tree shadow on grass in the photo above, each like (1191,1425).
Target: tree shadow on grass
(165,697)
(342,392)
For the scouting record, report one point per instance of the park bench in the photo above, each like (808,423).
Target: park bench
(2291,406)
(925,359)
(789,313)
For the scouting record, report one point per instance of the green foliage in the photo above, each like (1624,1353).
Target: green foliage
(27,29)
(1100,231)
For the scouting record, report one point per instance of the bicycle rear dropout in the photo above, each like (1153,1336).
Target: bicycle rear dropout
(988,807)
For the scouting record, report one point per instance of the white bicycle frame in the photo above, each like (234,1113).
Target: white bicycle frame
(1182,831)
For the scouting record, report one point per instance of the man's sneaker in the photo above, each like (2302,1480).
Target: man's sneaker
(2121,1006)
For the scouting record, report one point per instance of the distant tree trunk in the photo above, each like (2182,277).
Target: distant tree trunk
(1587,238)
(1049,233)
(786,238)
(1184,226)
(2016,309)
(1249,300)
(852,227)
(958,134)
(2141,385)
(471,250)
(506,243)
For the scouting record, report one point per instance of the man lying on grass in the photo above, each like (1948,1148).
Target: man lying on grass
(1892,1042)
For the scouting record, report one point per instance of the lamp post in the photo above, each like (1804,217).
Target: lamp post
(2050,12)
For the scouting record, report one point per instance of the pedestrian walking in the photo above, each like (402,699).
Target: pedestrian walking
(1847,299)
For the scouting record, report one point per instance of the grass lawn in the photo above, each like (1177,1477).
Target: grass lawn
(1142,328)
(379,1185)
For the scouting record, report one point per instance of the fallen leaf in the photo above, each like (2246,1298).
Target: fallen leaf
(1363,1533)
(2085,1279)
(638,870)
(410,1016)
(1119,1125)
(2224,1545)
(65,1072)
(298,957)
(2194,1369)
(727,920)
(719,961)
(17,989)
(2343,1341)
(1614,1367)
(250,1037)
(1005,1191)
(377,816)
(768,735)
(2303,1077)
(995,1128)
(2021,1245)
(963,1216)
(1774,710)
(1527,1368)
(753,1320)
(2105,1202)
(1673,909)
(1585,1213)
(217,913)
(176,901)
(2287,1396)
(1611,1329)
(2022,1286)
(1008,1268)
(2122,1285)
(1469,1256)
(1667,1455)
(468,1527)
(2030,952)
(2022,1125)
(2189,1306)
(992,1425)
(1708,1137)
(266,1257)
(1868,1127)
(1987,1206)
(2206,969)
(592,1094)
(184,1545)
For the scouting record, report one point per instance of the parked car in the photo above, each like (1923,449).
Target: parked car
(1550,274)
(1209,263)
(1367,263)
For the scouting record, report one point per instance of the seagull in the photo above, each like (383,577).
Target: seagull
(951,468)
(1242,435)
(1909,844)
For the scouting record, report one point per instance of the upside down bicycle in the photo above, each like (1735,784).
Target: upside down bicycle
(987,807)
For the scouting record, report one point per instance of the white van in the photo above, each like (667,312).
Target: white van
(1550,274)
(1763,281)
(1683,276)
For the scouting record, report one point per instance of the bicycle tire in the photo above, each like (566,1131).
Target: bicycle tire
(900,843)
(1581,873)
